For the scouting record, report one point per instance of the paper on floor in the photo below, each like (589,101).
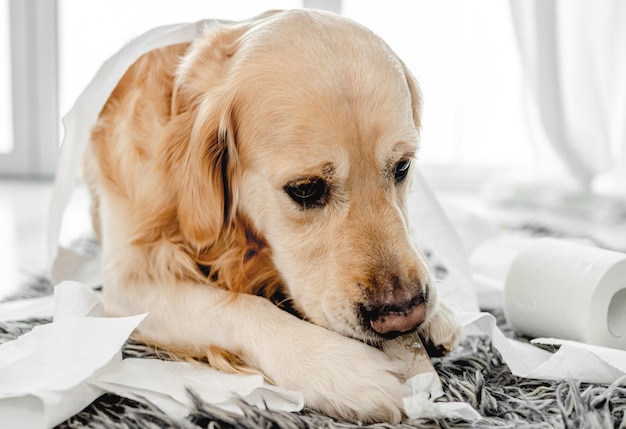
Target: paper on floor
(420,392)
(57,369)
(423,385)
(43,372)
(592,364)
(165,384)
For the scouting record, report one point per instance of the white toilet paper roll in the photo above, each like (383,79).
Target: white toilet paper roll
(560,289)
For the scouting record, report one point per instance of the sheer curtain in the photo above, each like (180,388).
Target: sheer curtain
(574,58)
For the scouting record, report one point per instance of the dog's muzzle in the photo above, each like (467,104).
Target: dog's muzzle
(395,316)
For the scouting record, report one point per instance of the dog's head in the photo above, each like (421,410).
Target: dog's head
(305,124)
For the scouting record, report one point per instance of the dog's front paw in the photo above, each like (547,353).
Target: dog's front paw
(342,377)
(442,332)
(359,383)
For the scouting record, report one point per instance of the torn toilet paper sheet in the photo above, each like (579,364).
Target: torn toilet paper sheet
(57,306)
(43,372)
(611,362)
(135,379)
(56,348)
(423,384)
(57,369)
(83,115)
(575,360)
(420,392)
(77,358)
(591,364)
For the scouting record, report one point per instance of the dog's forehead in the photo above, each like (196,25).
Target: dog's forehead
(327,100)
(320,57)
(288,151)
(317,90)
(306,135)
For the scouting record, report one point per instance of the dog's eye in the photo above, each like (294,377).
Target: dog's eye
(401,170)
(308,193)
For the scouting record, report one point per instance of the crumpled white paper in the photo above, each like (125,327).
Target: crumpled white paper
(420,392)
(83,115)
(47,404)
(57,369)
(165,384)
(579,361)
(43,372)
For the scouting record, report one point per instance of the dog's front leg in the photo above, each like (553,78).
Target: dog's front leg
(336,375)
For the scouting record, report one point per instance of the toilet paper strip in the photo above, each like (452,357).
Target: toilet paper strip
(84,113)
(579,361)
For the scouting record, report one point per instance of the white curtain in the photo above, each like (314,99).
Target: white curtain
(574,58)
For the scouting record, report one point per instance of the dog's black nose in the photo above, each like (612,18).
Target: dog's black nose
(391,319)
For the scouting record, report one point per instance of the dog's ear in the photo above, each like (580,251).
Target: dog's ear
(202,148)
(204,166)
(207,60)
(416,96)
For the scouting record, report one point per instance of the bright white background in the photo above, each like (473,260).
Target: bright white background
(463,54)
(6,115)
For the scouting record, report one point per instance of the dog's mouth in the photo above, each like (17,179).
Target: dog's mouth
(392,320)
(375,322)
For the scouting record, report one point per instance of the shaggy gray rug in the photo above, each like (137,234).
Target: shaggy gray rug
(474,373)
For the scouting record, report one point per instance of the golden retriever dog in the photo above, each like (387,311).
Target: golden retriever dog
(248,190)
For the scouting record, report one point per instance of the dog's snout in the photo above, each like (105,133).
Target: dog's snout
(395,307)
(392,319)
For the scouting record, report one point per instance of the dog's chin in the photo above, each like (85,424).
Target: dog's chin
(357,330)
(357,327)
(374,338)
(353,324)
(366,336)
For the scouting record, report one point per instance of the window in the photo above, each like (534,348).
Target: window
(464,55)
(31,76)
(6,101)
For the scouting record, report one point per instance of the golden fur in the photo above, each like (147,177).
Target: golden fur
(190,168)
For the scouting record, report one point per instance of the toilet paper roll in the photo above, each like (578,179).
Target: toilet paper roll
(571,291)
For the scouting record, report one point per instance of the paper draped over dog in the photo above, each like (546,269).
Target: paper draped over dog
(84,114)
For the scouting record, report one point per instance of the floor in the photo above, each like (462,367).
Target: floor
(24,209)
